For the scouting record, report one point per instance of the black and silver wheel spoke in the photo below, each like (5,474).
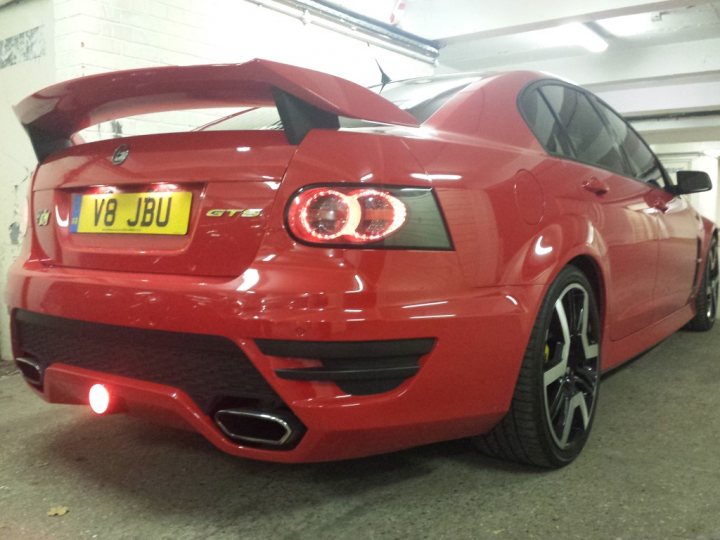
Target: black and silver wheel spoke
(711,294)
(571,376)
(561,398)
(562,348)
(576,405)
(706,301)
(712,278)
(585,380)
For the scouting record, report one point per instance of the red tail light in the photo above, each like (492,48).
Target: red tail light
(381,214)
(340,215)
(361,216)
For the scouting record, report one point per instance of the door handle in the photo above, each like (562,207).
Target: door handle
(596,186)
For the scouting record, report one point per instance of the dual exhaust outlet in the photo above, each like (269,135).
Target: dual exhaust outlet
(31,370)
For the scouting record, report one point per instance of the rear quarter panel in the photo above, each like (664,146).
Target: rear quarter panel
(518,215)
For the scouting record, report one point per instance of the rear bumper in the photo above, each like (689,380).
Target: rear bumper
(168,406)
(462,387)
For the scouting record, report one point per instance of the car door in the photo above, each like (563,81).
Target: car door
(677,221)
(620,208)
(679,254)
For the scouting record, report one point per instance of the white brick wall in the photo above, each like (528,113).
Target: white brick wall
(84,37)
(157,32)
(95,36)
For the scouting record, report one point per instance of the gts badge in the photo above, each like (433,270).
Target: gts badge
(232,212)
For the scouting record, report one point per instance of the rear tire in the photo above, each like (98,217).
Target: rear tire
(554,402)
(707,297)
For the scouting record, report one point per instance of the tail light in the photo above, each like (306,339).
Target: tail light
(355,216)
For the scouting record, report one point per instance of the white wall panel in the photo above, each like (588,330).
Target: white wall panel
(706,203)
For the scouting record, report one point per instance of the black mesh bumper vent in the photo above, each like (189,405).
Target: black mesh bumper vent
(357,367)
(207,368)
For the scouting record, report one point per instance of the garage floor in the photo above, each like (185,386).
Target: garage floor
(651,470)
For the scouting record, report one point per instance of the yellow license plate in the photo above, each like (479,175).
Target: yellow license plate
(132,213)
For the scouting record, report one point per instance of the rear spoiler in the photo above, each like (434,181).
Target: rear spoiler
(306,99)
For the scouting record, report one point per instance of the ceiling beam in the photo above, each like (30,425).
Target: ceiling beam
(664,98)
(685,130)
(623,65)
(708,148)
(470,19)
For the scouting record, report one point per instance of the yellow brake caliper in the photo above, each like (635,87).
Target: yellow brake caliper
(547,352)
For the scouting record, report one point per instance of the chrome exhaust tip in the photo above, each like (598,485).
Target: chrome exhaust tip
(277,429)
(31,370)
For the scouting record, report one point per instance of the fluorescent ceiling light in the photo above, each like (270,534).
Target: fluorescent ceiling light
(579,34)
(627,25)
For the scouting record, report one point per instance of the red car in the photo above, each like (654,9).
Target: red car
(335,272)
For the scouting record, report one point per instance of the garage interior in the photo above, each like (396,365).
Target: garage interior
(650,469)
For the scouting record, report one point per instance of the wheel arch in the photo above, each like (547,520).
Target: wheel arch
(593,272)
(709,234)
(574,241)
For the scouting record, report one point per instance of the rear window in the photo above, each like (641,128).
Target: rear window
(420,97)
(260,118)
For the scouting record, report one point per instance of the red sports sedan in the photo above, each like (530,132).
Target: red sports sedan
(335,272)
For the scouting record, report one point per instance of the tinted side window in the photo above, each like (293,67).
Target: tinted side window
(645,166)
(590,138)
(543,124)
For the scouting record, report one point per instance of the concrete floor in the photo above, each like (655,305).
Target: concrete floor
(650,471)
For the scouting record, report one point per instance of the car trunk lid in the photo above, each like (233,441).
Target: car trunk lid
(88,199)
(228,178)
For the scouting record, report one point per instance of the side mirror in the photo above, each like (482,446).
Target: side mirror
(691,182)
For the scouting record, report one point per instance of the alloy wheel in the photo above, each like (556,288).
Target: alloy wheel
(571,367)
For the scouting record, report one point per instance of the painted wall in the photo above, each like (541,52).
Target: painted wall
(707,203)
(83,37)
(26,64)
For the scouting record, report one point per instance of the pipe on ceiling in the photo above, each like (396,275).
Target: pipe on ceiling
(357,26)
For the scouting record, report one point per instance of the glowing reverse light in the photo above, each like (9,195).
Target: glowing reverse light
(99,398)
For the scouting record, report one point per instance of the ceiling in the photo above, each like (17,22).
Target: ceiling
(661,66)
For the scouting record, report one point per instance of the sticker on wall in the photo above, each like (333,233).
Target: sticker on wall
(22,47)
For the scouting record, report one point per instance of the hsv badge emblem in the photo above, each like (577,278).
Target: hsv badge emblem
(42,218)
(120,154)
